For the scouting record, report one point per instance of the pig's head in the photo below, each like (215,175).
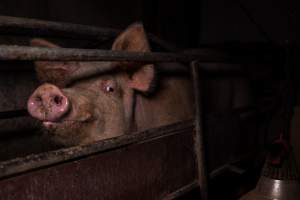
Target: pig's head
(82,102)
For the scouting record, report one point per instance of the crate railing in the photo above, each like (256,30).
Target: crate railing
(31,27)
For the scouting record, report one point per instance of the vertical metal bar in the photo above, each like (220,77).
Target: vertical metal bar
(290,93)
(199,137)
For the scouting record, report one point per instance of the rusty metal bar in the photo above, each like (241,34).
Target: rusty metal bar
(9,52)
(41,28)
(31,162)
(199,134)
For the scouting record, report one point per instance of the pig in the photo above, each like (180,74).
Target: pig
(84,102)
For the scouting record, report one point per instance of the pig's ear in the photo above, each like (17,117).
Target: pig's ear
(53,72)
(134,39)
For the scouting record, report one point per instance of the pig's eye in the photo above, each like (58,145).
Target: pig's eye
(109,89)
(108,86)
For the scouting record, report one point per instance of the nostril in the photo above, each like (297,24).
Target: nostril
(58,100)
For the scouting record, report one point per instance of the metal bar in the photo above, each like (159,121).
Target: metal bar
(290,90)
(13,114)
(144,170)
(199,135)
(230,166)
(41,28)
(181,191)
(31,162)
(9,52)
(34,27)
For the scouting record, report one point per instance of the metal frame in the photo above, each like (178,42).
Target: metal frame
(32,27)
(199,135)
(16,166)
(108,168)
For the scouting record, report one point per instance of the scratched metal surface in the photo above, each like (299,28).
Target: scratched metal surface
(148,170)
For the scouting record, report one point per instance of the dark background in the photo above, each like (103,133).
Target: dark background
(186,23)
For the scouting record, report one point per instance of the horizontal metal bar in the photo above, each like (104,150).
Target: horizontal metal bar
(19,165)
(182,191)
(41,28)
(9,52)
(13,114)
(35,27)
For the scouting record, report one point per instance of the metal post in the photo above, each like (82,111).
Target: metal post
(199,134)
(290,92)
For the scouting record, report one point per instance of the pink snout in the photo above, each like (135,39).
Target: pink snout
(48,103)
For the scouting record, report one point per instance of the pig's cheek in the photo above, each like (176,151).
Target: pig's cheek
(81,113)
(89,107)
(85,116)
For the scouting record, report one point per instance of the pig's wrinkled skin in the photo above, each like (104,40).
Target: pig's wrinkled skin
(78,110)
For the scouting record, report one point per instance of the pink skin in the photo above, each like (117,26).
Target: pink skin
(48,104)
(96,99)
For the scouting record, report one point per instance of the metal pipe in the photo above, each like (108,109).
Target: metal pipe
(199,136)
(9,52)
(182,191)
(41,28)
(290,90)
(34,27)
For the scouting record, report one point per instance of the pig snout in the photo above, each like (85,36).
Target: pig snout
(48,103)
